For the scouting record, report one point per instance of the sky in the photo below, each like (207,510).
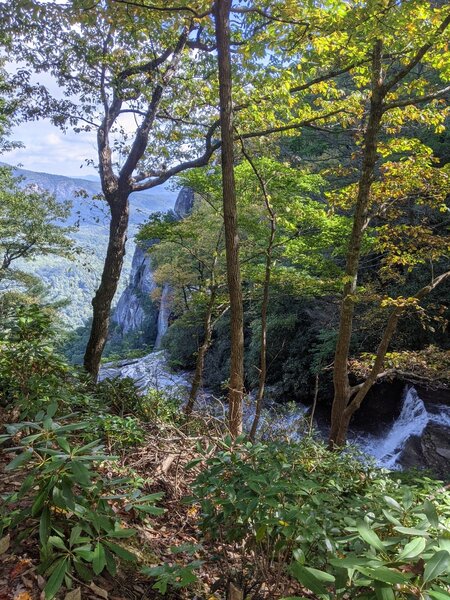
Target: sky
(49,150)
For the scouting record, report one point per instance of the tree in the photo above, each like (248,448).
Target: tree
(399,90)
(30,225)
(115,62)
(133,73)
(190,257)
(236,384)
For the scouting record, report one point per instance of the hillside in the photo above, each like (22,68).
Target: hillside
(77,280)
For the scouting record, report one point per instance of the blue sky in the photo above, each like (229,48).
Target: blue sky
(49,150)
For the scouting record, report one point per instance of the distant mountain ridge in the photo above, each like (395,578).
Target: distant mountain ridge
(77,280)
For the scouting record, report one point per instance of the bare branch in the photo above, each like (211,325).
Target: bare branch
(417,100)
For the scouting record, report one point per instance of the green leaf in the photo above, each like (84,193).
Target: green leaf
(369,535)
(19,460)
(81,473)
(75,535)
(64,444)
(122,533)
(121,552)
(411,531)
(308,579)
(431,514)
(439,594)
(384,592)
(437,565)
(350,562)
(57,542)
(98,559)
(56,579)
(152,497)
(384,574)
(39,501)
(390,517)
(393,503)
(44,526)
(413,548)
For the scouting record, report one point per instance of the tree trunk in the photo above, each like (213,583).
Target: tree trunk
(236,385)
(198,375)
(342,390)
(103,298)
(359,392)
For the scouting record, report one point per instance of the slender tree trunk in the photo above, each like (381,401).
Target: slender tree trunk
(265,300)
(103,298)
(198,375)
(342,390)
(235,394)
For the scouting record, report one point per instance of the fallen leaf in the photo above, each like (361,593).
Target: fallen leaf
(4,543)
(20,568)
(73,595)
(98,590)
(41,582)
(23,596)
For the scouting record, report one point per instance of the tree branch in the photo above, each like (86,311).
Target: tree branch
(417,100)
(403,72)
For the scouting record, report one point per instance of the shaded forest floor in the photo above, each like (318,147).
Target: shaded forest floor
(158,465)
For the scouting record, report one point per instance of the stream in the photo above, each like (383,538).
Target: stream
(387,447)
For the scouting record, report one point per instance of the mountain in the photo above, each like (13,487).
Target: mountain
(76,280)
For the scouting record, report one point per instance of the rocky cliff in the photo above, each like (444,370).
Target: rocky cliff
(136,313)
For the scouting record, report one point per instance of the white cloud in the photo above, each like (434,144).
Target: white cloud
(50,150)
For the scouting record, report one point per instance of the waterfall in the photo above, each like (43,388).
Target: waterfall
(165,309)
(413,419)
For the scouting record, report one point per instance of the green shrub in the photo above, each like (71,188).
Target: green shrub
(341,524)
(120,396)
(67,499)
(119,432)
(31,373)
(158,405)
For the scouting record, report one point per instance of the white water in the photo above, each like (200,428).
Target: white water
(165,308)
(152,371)
(412,421)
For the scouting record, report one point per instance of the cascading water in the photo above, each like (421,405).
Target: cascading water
(413,419)
(165,308)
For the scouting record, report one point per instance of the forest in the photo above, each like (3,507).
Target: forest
(256,404)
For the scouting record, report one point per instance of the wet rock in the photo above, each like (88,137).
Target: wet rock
(430,451)
(151,371)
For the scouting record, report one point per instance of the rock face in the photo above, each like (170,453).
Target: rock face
(430,451)
(135,312)
(184,203)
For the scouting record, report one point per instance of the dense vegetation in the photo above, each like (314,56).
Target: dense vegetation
(313,264)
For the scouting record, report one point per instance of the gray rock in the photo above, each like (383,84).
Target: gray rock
(430,451)
(135,305)
(135,310)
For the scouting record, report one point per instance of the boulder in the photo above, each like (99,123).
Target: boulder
(430,451)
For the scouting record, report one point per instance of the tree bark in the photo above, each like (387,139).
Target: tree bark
(357,393)
(103,298)
(342,390)
(236,384)
(265,299)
